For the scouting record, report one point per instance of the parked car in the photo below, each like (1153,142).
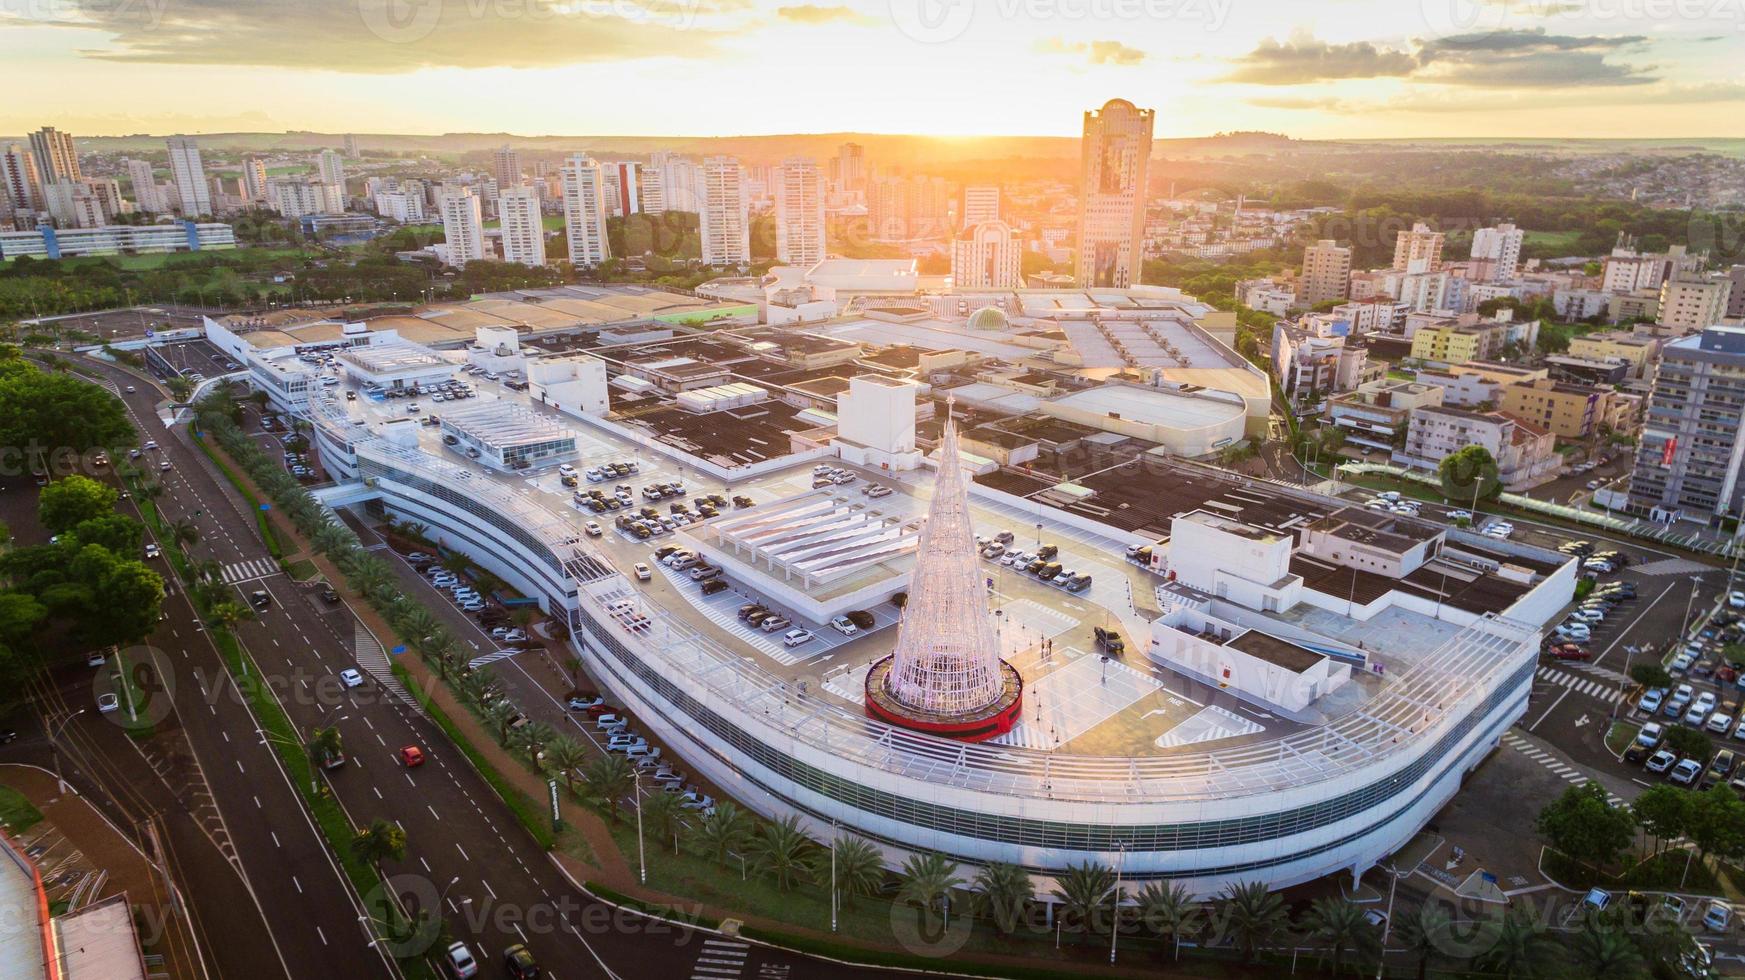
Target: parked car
(1661,761)
(842,625)
(794,638)
(1686,772)
(1651,700)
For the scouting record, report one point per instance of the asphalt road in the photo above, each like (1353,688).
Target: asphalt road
(465,849)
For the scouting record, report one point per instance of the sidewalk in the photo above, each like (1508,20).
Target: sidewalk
(84,859)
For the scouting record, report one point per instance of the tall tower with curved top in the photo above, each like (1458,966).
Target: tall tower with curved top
(946,676)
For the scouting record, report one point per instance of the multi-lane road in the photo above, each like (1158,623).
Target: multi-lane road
(288,911)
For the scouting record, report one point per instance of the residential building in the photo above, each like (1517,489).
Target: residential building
(584,211)
(725,225)
(1376,414)
(1693,437)
(108,193)
(987,255)
(1464,389)
(254,179)
(1525,453)
(1458,340)
(1627,270)
(56,160)
(522,226)
(1310,364)
(296,196)
(404,206)
(1691,302)
(1640,352)
(463,227)
(1736,295)
(681,183)
(902,208)
(189,175)
(799,212)
(20,179)
(1114,175)
(55,243)
(146,195)
(1418,250)
(1269,295)
(330,166)
(1570,411)
(850,170)
(1326,273)
(506,166)
(650,190)
(623,187)
(72,204)
(981,202)
(1496,252)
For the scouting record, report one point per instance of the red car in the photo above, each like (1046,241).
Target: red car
(411,756)
(1570,651)
(602,709)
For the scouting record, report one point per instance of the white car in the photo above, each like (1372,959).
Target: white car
(107,703)
(794,638)
(566,469)
(351,678)
(593,529)
(151,550)
(1460,515)
(461,962)
(643,573)
(1736,600)
(842,625)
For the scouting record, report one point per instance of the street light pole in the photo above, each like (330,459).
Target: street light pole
(832,875)
(641,863)
(55,746)
(1115,903)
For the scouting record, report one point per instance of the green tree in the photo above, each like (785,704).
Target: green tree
(1688,743)
(1422,933)
(118,534)
(1085,891)
(1168,909)
(724,831)
(1649,674)
(1663,812)
(53,411)
(498,714)
(1466,470)
(1519,948)
(780,850)
(1005,890)
(1340,924)
(609,779)
(66,502)
(1584,825)
(563,756)
(927,880)
(226,613)
(1253,915)
(325,744)
(664,816)
(859,869)
(1716,823)
(1603,950)
(378,842)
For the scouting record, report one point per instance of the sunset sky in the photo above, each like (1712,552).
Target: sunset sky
(1308,68)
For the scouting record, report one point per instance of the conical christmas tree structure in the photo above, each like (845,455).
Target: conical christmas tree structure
(946,675)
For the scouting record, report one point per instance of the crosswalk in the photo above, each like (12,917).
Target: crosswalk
(1552,763)
(720,959)
(1602,689)
(374,660)
(494,656)
(248,571)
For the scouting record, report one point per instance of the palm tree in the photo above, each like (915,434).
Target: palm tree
(208,571)
(474,686)
(1254,914)
(1169,909)
(724,831)
(378,842)
(498,714)
(1423,932)
(781,849)
(184,532)
(330,538)
(664,814)
(325,744)
(532,738)
(859,869)
(226,614)
(1603,950)
(563,755)
(1084,890)
(928,879)
(1005,889)
(1341,925)
(609,778)
(1518,950)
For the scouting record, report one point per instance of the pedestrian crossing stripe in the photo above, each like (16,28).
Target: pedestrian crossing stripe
(245,571)
(1554,765)
(1601,690)
(493,657)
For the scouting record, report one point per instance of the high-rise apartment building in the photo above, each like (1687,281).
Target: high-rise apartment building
(108,193)
(650,190)
(987,256)
(403,205)
(331,167)
(72,204)
(189,175)
(55,157)
(523,227)
(506,164)
(904,208)
(1694,302)
(725,225)
(1497,251)
(681,184)
(254,178)
(799,212)
(584,211)
(351,145)
(19,176)
(1326,273)
(1693,437)
(981,202)
(623,188)
(850,170)
(1114,169)
(1418,250)
(463,226)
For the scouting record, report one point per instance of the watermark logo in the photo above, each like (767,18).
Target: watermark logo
(932,21)
(1465,18)
(928,932)
(400,21)
(135,687)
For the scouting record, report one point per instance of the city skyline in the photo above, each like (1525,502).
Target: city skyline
(1348,69)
